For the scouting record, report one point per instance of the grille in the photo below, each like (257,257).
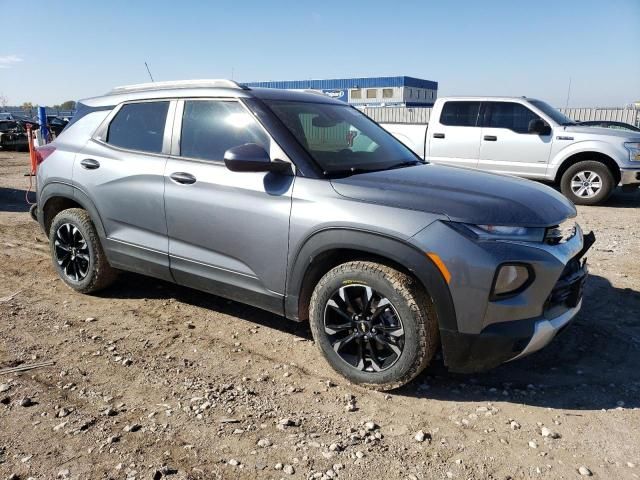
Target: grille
(567,291)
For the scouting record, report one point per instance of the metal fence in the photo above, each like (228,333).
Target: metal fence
(421,115)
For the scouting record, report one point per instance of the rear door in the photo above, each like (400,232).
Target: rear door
(507,146)
(228,231)
(455,138)
(121,170)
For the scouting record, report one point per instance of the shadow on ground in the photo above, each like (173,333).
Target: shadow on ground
(621,199)
(14,200)
(594,364)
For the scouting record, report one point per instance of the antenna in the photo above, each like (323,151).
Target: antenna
(149,72)
(568,94)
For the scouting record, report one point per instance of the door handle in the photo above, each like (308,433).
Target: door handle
(438,135)
(490,138)
(183,178)
(90,164)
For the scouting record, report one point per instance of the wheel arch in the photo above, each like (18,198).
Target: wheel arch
(571,160)
(331,247)
(56,197)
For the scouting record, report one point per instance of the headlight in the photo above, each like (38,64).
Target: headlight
(502,232)
(511,279)
(634,151)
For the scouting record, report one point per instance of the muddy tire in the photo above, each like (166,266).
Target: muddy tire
(374,325)
(587,183)
(77,254)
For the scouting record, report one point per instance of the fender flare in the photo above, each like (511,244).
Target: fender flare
(367,242)
(597,147)
(64,190)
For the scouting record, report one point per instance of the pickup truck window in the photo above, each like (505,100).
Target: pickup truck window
(460,114)
(342,139)
(556,116)
(510,115)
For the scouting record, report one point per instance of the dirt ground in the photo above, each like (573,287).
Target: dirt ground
(153,381)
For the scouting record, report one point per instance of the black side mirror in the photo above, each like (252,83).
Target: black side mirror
(537,126)
(251,157)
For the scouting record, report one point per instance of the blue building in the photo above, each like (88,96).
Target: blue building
(368,91)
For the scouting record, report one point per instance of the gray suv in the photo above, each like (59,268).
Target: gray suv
(301,205)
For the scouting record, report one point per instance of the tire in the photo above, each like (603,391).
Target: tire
(587,183)
(408,306)
(72,231)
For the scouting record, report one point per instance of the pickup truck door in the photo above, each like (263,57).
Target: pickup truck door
(507,146)
(454,138)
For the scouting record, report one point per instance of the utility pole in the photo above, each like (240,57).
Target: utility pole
(568,94)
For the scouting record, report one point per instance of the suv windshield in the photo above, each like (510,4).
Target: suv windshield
(554,113)
(341,139)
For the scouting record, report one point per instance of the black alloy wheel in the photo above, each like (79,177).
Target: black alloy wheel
(72,252)
(364,328)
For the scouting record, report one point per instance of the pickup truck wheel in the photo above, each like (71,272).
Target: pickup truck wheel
(77,254)
(375,325)
(587,183)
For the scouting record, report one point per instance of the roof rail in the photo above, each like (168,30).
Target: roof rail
(213,83)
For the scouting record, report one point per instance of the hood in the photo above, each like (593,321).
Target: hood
(462,195)
(601,131)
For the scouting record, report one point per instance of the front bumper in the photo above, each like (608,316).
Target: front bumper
(505,341)
(488,332)
(629,176)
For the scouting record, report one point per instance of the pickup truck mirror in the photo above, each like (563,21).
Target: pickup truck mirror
(538,126)
(251,157)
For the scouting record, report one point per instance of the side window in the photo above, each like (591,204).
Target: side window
(139,126)
(513,116)
(211,127)
(460,114)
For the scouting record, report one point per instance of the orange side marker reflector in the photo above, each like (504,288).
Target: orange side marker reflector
(441,266)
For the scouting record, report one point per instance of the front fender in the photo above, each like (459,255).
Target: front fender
(398,251)
(616,152)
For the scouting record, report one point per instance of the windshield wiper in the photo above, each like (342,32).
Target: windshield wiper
(408,163)
(347,171)
(357,170)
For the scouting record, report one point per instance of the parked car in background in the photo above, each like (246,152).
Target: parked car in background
(611,124)
(13,135)
(56,124)
(528,138)
(301,205)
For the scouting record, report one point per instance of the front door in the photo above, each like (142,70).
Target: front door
(228,231)
(507,146)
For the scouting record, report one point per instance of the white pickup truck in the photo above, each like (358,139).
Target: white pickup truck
(528,138)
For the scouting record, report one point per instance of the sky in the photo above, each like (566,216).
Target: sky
(468,47)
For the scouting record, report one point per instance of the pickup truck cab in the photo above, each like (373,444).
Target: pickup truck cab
(528,138)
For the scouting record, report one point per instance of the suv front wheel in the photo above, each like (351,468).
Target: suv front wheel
(374,325)
(77,254)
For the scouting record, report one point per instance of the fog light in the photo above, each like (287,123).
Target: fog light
(510,279)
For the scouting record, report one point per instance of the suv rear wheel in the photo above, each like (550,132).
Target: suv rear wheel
(587,183)
(374,325)
(77,254)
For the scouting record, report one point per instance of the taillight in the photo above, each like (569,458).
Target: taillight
(43,152)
